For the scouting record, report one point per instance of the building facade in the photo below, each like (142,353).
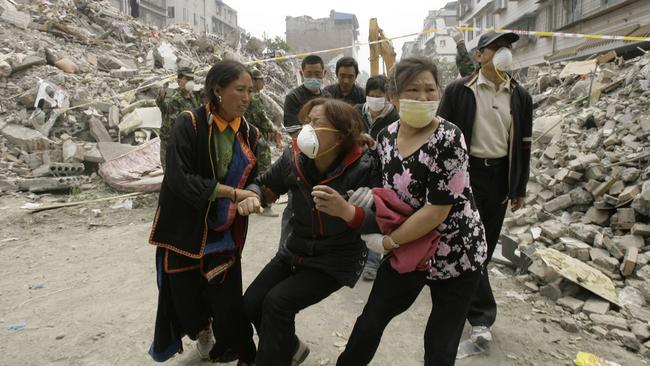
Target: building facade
(153,12)
(439,45)
(609,17)
(306,34)
(210,16)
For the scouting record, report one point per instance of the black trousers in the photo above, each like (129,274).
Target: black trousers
(392,293)
(490,188)
(272,301)
(196,301)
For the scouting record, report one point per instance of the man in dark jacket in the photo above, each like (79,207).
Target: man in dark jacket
(312,71)
(347,70)
(495,114)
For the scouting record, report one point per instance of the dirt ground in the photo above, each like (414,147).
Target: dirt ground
(84,288)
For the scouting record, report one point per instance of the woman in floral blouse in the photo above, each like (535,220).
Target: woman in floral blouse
(424,159)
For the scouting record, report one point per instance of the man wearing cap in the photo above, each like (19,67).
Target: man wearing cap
(256,115)
(495,114)
(182,99)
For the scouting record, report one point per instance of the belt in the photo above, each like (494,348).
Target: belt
(487,162)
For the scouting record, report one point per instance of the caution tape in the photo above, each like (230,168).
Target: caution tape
(426,31)
(435,30)
(561,34)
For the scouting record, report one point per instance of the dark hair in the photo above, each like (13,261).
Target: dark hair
(341,115)
(347,62)
(376,82)
(406,70)
(312,60)
(223,73)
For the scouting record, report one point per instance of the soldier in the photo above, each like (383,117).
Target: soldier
(464,62)
(256,116)
(182,99)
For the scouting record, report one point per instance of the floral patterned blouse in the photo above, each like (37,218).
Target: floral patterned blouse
(437,174)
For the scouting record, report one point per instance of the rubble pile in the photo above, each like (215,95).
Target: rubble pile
(586,225)
(78,82)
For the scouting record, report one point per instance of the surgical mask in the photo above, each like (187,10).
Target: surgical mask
(417,114)
(502,59)
(308,141)
(376,104)
(189,86)
(312,84)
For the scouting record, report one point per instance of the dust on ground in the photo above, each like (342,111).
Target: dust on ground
(83,285)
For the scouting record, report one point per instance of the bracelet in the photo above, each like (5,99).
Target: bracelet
(234,193)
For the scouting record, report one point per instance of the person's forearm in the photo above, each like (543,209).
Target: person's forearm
(223,191)
(422,222)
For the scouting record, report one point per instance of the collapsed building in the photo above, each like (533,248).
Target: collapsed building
(583,240)
(79,80)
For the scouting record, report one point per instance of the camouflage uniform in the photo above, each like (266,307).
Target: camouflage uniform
(170,107)
(256,116)
(464,62)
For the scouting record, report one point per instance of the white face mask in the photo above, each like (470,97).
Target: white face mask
(308,141)
(189,86)
(502,59)
(376,104)
(417,114)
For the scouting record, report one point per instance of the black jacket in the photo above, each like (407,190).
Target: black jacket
(458,105)
(380,123)
(295,100)
(180,223)
(318,240)
(356,96)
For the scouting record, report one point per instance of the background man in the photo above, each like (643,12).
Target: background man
(256,115)
(312,73)
(182,99)
(464,61)
(496,115)
(347,70)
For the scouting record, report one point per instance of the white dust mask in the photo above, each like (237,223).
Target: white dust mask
(376,104)
(502,59)
(417,114)
(308,141)
(189,86)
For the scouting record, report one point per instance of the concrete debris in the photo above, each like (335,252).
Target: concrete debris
(45,184)
(588,199)
(81,73)
(136,171)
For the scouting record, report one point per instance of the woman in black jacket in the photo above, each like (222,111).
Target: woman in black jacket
(324,250)
(211,163)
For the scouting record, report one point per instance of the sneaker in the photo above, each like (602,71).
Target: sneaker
(268,212)
(300,355)
(204,343)
(369,274)
(481,335)
(468,348)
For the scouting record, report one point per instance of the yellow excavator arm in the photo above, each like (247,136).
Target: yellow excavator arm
(384,49)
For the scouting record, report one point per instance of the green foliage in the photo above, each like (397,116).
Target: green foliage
(447,71)
(254,46)
(276,44)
